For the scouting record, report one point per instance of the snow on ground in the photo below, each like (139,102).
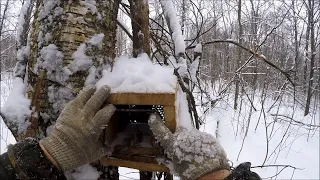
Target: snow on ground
(296,148)
(127,173)
(84,172)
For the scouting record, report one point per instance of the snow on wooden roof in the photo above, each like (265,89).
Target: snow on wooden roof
(139,75)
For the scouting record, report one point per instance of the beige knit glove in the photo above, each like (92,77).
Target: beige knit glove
(74,139)
(192,153)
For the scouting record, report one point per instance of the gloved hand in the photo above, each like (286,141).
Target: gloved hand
(193,153)
(74,139)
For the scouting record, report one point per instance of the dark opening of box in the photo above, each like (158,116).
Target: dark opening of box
(129,125)
(129,134)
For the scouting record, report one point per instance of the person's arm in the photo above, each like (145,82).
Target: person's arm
(50,158)
(26,160)
(73,142)
(197,155)
(6,169)
(193,154)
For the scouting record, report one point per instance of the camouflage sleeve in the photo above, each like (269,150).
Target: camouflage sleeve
(6,169)
(26,160)
(243,172)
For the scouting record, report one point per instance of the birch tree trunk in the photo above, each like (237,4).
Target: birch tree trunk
(70,43)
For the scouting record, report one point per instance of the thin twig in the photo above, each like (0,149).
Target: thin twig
(258,56)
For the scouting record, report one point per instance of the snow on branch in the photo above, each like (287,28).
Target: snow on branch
(22,58)
(181,68)
(124,27)
(198,48)
(17,108)
(23,22)
(193,69)
(22,38)
(174,26)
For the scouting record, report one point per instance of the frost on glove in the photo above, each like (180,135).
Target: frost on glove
(74,140)
(193,153)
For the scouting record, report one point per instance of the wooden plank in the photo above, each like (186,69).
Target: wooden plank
(132,150)
(135,158)
(134,165)
(142,98)
(170,117)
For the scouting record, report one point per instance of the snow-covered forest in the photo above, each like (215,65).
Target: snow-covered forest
(247,71)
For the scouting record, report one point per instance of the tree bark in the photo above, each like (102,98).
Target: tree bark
(66,26)
(4,15)
(238,61)
(139,10)
(312,54)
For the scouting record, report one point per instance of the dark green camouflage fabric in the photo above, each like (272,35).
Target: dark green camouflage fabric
(243,172)
(26,160)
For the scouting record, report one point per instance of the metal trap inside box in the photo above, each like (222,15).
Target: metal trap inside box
(129,133)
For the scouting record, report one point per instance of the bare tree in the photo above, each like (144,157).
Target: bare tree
(312,54)
(238,61)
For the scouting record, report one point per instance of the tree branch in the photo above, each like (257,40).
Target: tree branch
(258,56)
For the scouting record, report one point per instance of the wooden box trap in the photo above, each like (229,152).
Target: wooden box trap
(128,131)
